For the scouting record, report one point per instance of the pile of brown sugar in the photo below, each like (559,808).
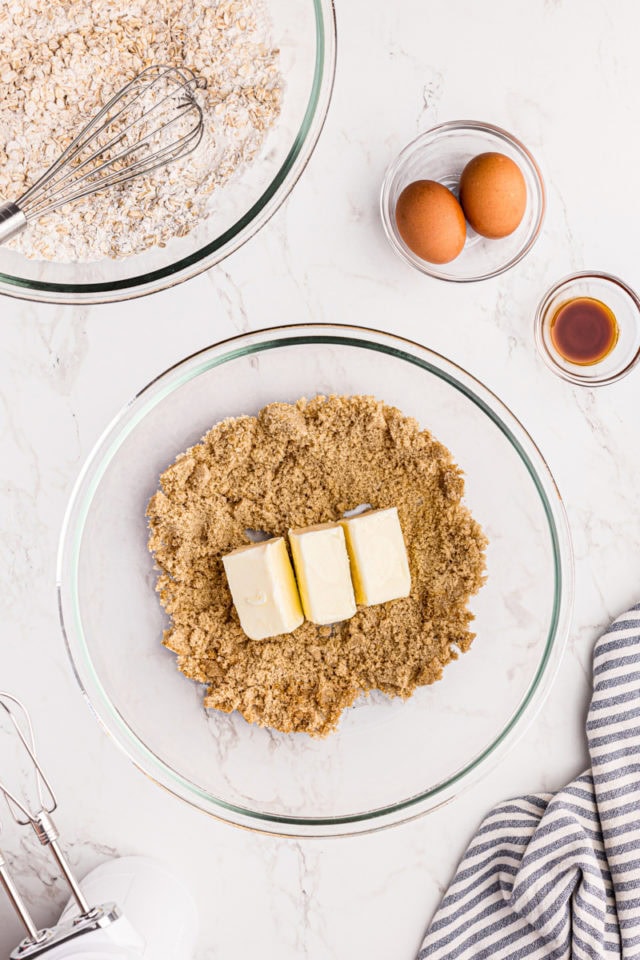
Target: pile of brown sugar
(291,466)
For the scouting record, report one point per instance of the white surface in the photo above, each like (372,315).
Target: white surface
(564,77)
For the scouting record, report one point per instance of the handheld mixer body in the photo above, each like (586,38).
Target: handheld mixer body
(157,919)
(130,908)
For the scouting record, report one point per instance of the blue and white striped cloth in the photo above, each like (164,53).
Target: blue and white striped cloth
(558,876)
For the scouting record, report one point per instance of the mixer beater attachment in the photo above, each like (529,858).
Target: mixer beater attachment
(39,942)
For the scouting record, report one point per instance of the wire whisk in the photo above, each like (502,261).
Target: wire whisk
(152,121)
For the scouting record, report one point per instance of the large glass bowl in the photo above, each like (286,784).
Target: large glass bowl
(304,31)
(389,760)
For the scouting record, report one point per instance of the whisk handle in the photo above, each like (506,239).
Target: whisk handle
(12,221)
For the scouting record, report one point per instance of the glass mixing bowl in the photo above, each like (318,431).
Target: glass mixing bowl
(389,760)
(304,31)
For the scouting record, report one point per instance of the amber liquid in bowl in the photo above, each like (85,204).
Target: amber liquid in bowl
(584,330)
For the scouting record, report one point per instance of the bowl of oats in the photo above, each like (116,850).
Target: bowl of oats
(324,724)
(266,70)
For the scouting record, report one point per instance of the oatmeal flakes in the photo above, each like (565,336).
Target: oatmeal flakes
(61,60)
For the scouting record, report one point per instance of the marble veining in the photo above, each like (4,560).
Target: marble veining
(562,75)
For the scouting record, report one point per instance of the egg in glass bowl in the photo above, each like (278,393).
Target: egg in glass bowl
(439,244)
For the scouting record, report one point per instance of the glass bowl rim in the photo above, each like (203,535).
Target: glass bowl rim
(545,353)
(132,414)
(386,213)
(247,225)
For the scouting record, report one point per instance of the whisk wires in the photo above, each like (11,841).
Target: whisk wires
(154,120)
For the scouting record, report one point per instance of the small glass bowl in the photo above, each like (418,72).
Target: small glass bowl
(441,154)
(625,305)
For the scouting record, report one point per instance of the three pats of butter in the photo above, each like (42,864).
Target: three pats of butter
(358,560)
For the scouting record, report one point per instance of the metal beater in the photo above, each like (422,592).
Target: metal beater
(158,921)
(41,822)
(154,120)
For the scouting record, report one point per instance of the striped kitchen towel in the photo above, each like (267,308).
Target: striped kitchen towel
(557,876)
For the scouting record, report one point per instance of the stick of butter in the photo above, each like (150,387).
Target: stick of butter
(263,589)
(378,556)
(322,568)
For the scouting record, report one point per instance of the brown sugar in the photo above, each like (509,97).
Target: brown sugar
(292,466)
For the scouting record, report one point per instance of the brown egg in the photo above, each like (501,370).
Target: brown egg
(430,221)
(493,195)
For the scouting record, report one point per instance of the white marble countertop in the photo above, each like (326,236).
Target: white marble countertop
(563,75)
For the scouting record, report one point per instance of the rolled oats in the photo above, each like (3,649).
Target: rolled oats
(61,61)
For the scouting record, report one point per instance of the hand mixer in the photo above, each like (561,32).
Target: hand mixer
(132,908)
(154,120)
